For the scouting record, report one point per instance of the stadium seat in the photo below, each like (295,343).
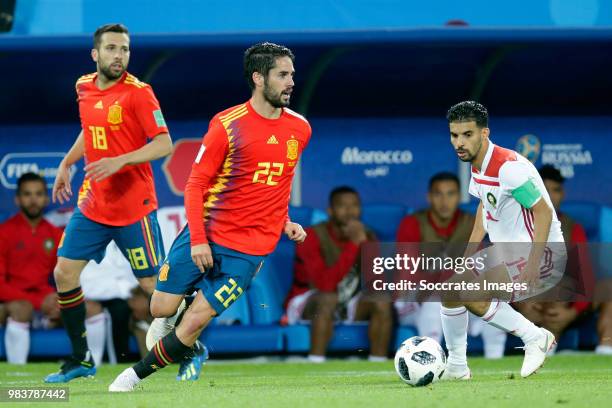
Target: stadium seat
(469,207)
(588,214)
(301,215)
(237,313)
(282,258)
(318,216)
(243,339)
(265,296)
(383,219)
(605,230)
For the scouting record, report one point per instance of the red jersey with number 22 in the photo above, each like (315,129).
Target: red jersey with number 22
(238,192)
(116,121)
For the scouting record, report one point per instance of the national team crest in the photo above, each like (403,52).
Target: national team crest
(48,245)
(115,114)
(292,149)
(492,200)
(163,272)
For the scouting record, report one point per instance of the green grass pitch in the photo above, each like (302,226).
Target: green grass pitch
(582,380)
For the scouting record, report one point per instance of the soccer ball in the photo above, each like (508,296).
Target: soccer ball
(420,361)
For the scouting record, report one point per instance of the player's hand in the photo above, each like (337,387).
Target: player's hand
(530,276)
(355,231)
(295,232)
(103,168)
(62,191)
(201,255)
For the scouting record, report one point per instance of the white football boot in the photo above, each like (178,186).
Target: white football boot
(456,374)
(536,351)
(125,382)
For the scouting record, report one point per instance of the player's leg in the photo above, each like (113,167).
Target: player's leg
(172,348)
(219,288)
(604,329)
(454,317)
(428,319)
(320,309)
(142,245)
(17,334)
(83,240)
(95,324)
(500,314)
(378,311)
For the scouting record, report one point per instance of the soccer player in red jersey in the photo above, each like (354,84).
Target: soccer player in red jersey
(28,246)
(236,200)
(123,129)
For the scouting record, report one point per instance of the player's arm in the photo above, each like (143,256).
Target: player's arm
(478,233)
(514,178)
(542,218)
(62,191)
(207,163)
(159,147)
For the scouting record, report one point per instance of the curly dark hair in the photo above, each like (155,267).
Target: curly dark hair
(468,111)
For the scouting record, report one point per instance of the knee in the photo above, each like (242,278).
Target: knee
(20,310)
(478,308)
(93,308)
(64,272)
(326,302)
(160,309)
(382,309)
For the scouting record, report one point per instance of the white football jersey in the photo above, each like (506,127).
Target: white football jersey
(504,218)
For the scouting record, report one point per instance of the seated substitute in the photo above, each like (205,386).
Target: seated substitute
(28,246)
(327,279)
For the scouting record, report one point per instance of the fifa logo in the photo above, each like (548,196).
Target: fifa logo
(529,147)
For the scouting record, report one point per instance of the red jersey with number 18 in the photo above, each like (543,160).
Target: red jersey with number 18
(116,121)
(238,192)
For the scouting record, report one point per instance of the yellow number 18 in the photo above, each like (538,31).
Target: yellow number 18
(98,133)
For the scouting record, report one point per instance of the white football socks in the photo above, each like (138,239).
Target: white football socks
(493,341)
(428,320)
(17,341)
(454,326)
(313,358)
(504,317)
(96,336)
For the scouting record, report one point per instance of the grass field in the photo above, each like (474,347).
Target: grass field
(582,380)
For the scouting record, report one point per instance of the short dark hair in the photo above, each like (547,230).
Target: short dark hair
(262,58)
(341,190)
(26,178)
(549,172)
(468,111)
(108,28)
(444,176)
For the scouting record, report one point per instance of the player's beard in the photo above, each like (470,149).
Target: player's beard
(109,74)
(274,98)
(471,157)
(32,212)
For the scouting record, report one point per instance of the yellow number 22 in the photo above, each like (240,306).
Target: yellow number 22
(270,170)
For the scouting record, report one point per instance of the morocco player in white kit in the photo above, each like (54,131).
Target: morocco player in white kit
(514,207)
